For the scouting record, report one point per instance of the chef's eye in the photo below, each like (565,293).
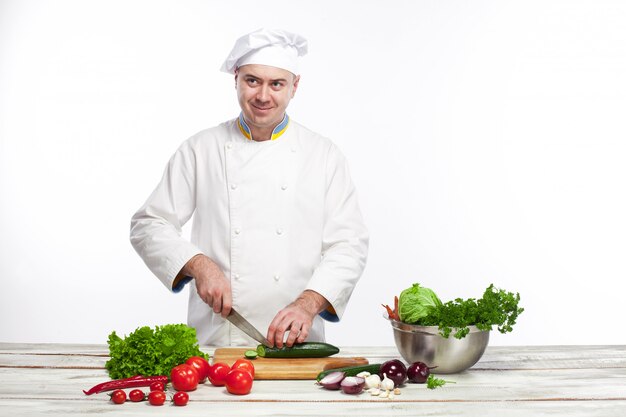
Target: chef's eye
(277,84)
(252,81)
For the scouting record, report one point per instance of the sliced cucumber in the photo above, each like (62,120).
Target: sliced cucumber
(250,354)
(299,350)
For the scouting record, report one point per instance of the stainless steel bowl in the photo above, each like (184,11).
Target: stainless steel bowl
(425,344)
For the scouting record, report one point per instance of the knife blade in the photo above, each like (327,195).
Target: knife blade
(245,326)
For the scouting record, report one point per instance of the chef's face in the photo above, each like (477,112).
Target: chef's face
(264,93)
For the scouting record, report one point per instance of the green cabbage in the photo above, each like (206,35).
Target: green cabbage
(416,302)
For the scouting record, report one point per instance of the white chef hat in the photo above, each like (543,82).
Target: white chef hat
(276,48)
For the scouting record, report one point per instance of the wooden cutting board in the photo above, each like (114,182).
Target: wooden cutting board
(274,368)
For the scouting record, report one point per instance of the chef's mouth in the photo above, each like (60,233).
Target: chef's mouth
(262,108)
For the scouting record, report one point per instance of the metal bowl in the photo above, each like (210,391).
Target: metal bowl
(425,344)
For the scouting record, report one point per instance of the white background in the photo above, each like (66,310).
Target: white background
(486,139)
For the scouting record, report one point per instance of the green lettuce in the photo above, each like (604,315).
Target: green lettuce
(151,352)
(416,302)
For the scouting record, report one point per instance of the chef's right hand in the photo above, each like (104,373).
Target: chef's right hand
(211,284)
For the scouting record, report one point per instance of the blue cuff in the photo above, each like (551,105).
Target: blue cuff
(181,284)
(328,316)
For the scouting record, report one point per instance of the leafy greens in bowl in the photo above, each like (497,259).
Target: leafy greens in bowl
(421,306)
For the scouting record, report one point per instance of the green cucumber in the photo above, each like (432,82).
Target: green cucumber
(298,350)
(250,354)
(373,368)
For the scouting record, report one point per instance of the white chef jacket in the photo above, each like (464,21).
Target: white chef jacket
(278,217)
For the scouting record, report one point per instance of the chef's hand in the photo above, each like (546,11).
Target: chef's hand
(297,318)
(211,284)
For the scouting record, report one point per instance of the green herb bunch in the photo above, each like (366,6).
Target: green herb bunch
(432,382)
(496,308)
(151,352)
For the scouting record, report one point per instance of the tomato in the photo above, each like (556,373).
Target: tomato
(201,366)
(184,378)
(180,398)
(244,364)
(217,374)
(157,386)
(118,396)
(136,395)
(239,382)
(156,398)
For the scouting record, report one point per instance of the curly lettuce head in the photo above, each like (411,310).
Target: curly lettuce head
(416,302)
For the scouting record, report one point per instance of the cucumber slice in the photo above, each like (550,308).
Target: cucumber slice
(250,354)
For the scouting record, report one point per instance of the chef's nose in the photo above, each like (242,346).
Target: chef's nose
(263,94)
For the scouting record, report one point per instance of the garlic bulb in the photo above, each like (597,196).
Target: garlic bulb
(387,384)
(372,381)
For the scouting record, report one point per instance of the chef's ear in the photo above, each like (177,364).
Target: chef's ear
(296,81)
(236,76)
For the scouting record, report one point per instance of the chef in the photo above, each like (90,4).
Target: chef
(277,232)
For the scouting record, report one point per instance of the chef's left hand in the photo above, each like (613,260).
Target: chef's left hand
(297,318)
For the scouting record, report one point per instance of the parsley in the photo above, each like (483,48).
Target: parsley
(495,308)
(150,352)
(433,382)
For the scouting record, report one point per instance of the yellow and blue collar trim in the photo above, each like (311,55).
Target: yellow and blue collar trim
(276,133)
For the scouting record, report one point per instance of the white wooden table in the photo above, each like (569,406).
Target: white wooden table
(48,379)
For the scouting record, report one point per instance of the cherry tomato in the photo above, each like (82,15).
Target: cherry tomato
(180,398)
(244,364)
(217,374)
(118,396)
(156,398)
(239,382)
(184,378)
(157,386)
(136,395)
(201,366)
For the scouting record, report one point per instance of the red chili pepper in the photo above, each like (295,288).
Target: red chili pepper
(135,381)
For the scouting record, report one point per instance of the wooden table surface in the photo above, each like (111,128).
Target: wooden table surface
(48,379)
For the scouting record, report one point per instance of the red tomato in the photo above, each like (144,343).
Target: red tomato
(244,364)
(184,378)
(156,398)
(201,366)
(217,374)
(118,396)
(136,395)
(239,382)
(180,398)
(157,386)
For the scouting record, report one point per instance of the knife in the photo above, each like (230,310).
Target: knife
(245,326)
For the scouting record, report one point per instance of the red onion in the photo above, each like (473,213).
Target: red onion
(395,370)
(418,372)
(332,380)
(352,384)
